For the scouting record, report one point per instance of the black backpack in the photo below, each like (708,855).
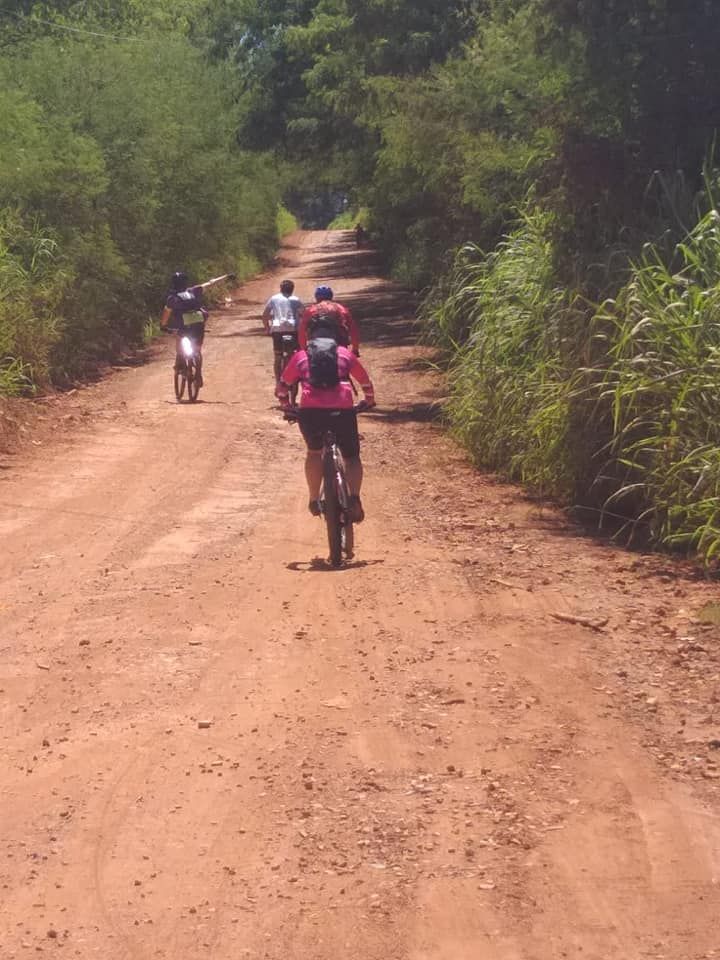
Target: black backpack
(184,302)
(326,324)
(322,362)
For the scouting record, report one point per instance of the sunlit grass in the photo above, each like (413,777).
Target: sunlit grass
(616,406)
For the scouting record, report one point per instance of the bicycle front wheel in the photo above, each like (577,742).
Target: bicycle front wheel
(332,512)
(180,378)
(193,383)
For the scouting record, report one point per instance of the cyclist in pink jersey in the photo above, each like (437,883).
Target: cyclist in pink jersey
(318,403)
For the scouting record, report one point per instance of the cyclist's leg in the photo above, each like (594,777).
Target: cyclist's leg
(313,472)
(311,429)
(197,334)
(354,473)
(349,443)
(277,355)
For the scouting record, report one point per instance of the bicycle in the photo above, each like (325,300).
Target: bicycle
(188,361)
(335,493)
(289,346)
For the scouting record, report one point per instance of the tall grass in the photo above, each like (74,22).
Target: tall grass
(504,320)
(31,288)
(616,406)
(658,385)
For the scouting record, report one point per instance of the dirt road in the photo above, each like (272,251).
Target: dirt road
(489,738)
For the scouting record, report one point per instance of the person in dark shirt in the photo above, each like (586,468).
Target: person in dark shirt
(185,313)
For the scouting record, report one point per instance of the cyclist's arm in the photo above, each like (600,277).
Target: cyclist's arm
(298,311)
(354,337)
(266,314)
(360,376)
(353,331)
(210,283)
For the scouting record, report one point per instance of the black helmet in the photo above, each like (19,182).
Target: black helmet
(287,287)
(178,282)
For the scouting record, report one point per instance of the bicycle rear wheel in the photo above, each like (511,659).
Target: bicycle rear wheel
(180,378)
(347,531)
(332,511)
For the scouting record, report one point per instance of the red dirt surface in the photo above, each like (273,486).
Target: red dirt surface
(487,738)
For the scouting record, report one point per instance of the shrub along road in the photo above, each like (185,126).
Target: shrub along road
(488,737)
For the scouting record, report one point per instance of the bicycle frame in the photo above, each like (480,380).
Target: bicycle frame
(335,495)
(289,347)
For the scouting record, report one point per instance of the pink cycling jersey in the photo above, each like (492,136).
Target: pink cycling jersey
(339,397)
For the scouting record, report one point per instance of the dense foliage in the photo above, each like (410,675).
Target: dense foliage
(118,165)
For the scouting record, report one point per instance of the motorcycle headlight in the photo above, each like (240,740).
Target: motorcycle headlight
(187,346)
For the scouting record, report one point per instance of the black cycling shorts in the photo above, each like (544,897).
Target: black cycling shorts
(279,346)
(314,422)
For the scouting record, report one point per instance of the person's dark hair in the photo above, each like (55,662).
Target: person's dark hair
(178,282)
(287,287)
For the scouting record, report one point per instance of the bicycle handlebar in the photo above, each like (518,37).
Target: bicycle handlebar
(294,413)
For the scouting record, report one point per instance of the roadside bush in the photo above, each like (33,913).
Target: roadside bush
(31,288)
(614,408)
(657,385)
(128,164)
(504,321)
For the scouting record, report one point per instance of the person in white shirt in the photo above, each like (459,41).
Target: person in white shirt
(281,317)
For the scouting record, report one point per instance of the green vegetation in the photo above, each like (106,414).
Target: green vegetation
(118,165)
(504,321)
(615,408)
(349,219)
(656,389)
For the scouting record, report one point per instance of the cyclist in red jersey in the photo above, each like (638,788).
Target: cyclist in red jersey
(319,402)
(328,318)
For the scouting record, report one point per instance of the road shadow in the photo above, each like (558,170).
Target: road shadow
(199,403)
(385,315)
(418,412)
(233,334)
(322,565)
(337,265)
